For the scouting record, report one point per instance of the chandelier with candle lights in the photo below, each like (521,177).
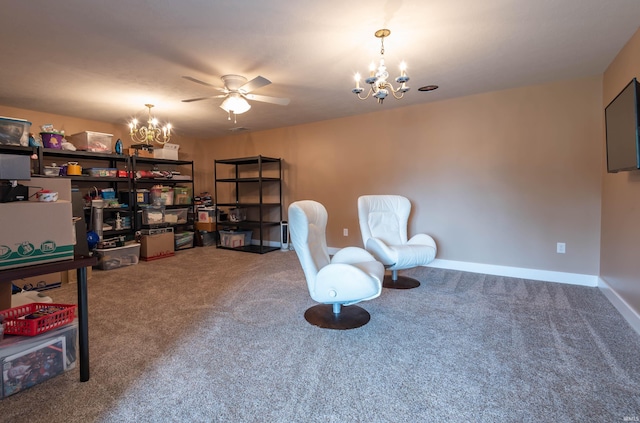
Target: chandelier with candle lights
(150,133)
(379,87)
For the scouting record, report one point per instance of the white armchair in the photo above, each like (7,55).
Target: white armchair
(350,276)
(383,225)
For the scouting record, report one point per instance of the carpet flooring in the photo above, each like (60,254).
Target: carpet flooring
(212,335)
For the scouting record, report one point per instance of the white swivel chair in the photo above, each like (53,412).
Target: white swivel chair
(350,276)
(383,224)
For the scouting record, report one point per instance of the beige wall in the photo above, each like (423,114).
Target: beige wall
(72,125)
(619,259)
(496,178)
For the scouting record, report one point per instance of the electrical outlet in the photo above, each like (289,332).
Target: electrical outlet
(561,248)
(345,232)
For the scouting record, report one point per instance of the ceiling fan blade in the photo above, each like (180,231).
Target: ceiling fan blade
(254,84)
(267,99)
(197,81)
(189,100)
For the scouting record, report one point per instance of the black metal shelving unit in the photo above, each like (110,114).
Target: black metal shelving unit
(139,181)
(250,175)
(128,182)
(88,159)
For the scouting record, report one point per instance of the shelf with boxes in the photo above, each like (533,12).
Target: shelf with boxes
(95,175)
(164,197)
(15,163)
(251,189)
(125,184)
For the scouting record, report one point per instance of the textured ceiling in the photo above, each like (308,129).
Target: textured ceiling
(105,60)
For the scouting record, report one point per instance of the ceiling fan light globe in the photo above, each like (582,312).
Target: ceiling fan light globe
(235,104)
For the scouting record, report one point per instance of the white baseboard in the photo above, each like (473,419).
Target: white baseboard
(513,272)
(270,244)
(518,272)
(629,314)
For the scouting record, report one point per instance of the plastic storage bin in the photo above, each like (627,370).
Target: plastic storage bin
(52,170)
(102,172)
(92,141)
(161,195)
(153,215)
(181,195)
(54,351)
(206,214)
(108,193)
(183,240)
(208,238)
(113,258)
(238,215)
(235,238)
(14,131)
(176,216)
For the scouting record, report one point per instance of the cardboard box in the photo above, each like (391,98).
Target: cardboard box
(22,356)
(169,151)
(35,232)
(40,283)
(206,226)
(71,276)
(157,246)
(140,152)
(5,295)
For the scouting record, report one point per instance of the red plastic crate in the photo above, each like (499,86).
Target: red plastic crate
(16,324)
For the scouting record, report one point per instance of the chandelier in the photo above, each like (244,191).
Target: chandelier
(150,133)
(379,87)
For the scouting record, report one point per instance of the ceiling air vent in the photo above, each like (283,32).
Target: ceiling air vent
(238,129)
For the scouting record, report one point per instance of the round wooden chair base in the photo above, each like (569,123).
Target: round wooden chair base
(350,317)
(403,282)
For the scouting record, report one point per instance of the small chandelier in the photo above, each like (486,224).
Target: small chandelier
(150,133)
(379,86)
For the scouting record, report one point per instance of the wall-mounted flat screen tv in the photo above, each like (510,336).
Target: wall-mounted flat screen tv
(623,136)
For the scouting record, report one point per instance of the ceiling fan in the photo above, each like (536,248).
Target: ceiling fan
(236,91)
